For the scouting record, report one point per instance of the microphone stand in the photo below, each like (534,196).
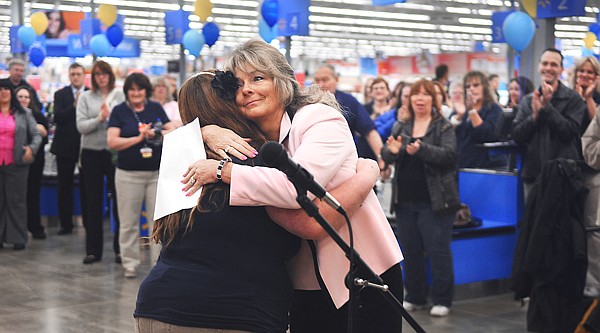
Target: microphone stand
(313,211)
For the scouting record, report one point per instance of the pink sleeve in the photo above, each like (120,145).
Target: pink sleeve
(319,140)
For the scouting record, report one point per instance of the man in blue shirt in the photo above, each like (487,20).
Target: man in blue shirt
(368,141)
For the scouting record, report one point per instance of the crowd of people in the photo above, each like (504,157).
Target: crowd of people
(264,265)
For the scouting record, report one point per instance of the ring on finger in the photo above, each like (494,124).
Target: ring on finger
(226,150)
(193,180)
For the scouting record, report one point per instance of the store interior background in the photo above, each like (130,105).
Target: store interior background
(403,41)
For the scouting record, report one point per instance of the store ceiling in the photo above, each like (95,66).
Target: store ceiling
(339,29)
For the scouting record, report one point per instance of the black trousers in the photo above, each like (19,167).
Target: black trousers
(96,166)
(66,167)
(34,188)
(313,311)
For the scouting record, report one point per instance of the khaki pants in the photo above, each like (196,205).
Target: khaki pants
(147,325)
(133,188)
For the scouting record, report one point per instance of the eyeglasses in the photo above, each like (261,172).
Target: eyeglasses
(100,74)
(474,85)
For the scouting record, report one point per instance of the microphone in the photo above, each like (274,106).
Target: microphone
(274,155)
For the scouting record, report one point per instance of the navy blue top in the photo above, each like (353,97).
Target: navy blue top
(227,272)
(122,117)
(359,122)
(469,139)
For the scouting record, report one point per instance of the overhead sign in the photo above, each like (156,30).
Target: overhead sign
(293,18)
(560,8)
(497,22)
(177,22)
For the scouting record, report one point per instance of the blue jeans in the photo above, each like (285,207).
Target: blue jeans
(423,232)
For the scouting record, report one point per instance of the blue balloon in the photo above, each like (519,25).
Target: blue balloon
(595,29)
(211,32)
(26,35)
(193,42)
(586,52)
(37,54)
(266,33)
(114,33)
(518,29)
(270,11)
(100,45)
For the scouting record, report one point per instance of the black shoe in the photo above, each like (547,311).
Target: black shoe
(39,234)
(118,259)
(64,231)
(90,258)
(19,246)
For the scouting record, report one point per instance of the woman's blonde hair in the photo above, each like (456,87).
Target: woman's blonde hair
(260,56)
(163,81)
(595,65)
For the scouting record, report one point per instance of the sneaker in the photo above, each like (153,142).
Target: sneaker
(439,311)
(130,273)
(412,307)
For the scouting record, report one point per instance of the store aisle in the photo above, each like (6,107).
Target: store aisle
(46,288)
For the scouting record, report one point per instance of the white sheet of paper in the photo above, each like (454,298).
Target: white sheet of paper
(181,148)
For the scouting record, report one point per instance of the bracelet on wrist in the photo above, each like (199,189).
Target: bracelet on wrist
(220,168)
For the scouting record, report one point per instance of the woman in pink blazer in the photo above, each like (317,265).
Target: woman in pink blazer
(317,137)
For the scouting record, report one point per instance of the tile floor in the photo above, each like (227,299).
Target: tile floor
(46,288)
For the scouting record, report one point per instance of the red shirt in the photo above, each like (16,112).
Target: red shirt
(7,139)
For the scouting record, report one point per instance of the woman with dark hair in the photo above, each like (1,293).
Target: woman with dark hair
(133,132)
(20,140)
(475,124)
(425,196)
(93,109)
(442,97)
(316,135)
(224,267)
(518,87)
(36,169)
(56,25)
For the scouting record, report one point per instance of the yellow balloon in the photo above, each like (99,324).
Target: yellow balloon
(39,22)
(203,8)
(107,14)
(530,7)
(589,39)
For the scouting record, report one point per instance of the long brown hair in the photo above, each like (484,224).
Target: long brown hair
(102,66)
(198,99)
(487,91)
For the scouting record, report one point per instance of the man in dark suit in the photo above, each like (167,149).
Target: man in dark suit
(65,146)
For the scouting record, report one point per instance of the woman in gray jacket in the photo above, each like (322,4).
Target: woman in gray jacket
(93,110)
(19,141)
(425,196)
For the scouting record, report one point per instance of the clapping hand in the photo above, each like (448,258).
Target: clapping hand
(394,144)
(413,148)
